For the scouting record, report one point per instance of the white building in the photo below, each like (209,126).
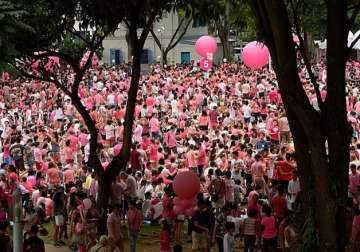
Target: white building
(116,50)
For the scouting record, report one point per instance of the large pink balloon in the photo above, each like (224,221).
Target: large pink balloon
(177,201)
(205,45)
(188,203)
(255,55)
(178,210)
(186,185)
(190,211)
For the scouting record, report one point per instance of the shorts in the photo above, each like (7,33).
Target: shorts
(59,220)
(270,243)
(199,240)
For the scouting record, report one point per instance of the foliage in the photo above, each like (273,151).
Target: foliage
(311,15)
(52,25)
(10,24)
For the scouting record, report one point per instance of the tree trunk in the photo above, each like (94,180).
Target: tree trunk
(311,129)
(164,55)
(225,47)
(338,129)
(120,161)
(103,196)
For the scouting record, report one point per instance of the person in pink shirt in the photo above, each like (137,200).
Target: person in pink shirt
(83,138)
(38,156)
(154,150)
(154,126)
(201,159)
(191,158)
(269,230)
(170,139)
(354,180)
(258,172)
(213,115)
(53,175)
(274,133)
(203,121)
(68,152)
(69,174)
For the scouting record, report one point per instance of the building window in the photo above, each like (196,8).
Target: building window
(116,56)
(146,56)
(185,57)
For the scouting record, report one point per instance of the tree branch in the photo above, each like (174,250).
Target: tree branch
(352,19)
(305,57)
(76,34)
(176,31)
(48,53)
(155,38)
(147,28)
(171,46)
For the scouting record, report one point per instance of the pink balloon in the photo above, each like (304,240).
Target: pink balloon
(177,201)
(205,64)
(186,185)
(105,165)
(87,203)
(190,211)
(255,55)
(188,203)
(31,180)
(205,45)
(178,210)
(296,39)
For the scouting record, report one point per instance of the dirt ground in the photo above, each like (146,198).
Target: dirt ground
(148,240)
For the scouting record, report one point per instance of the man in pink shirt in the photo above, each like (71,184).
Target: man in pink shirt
(170,139)
(354,180)
(53,176)
(154,126)
(258,172)
(69,174)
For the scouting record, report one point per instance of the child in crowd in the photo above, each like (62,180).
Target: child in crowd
(249,229)
(269,230)
(165,236)
(229,240)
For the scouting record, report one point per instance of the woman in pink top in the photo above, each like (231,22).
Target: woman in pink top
(68,152)
(203,121)
(269,230)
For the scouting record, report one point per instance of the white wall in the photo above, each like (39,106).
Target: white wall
(170,23)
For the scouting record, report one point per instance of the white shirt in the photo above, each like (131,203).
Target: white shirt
(228,243)
(261,88)
(294,187)
(246,111)
(109,132)
(111,99)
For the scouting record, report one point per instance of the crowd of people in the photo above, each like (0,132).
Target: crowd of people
(227,126)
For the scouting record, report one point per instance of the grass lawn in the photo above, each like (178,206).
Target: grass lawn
(148,239)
